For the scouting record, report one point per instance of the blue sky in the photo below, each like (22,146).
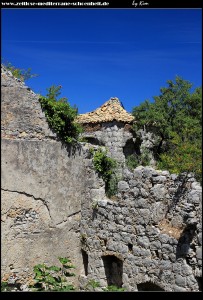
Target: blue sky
(96,54)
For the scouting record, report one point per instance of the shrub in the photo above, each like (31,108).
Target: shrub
(132,161)
(5,287)
(21,74)
(60,115)
(92,284)
(145,158)
(53,278)
(113,288)
(106,166)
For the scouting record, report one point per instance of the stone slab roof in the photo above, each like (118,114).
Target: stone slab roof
(111,110)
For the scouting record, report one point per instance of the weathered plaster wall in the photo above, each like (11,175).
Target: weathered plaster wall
(151,232)
(42,186)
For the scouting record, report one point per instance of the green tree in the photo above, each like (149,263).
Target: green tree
(175,117)
(60,115)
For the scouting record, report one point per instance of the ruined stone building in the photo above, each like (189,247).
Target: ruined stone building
(110,125)
(147,237)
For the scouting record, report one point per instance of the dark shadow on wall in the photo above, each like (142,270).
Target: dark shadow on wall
(199,281)
(94,141)
(94,214)
(113,269)
(132,147)
(182,189)
(72,149)
(184,242)
(85,261)
(148,286)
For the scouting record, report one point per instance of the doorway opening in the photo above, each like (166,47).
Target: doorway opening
(113,269)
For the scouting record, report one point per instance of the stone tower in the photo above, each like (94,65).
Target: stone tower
(110,125)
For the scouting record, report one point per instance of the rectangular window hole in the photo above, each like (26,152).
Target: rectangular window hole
(130,248)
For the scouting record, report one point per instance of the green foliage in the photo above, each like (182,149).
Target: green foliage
(83,238)
(132,161)
(82,139)
(113,288)
(22,74)
(92,283)
(95,205)
(135,160)
(111,186)
(145,157)
(187,157)
(91,151)
(175,117)
(60,115)
(53,278)
(106,166)
(5,287)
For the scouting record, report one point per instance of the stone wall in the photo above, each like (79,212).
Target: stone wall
(120,140)
(21,114)
(115,136)
(42,186)
(148,237)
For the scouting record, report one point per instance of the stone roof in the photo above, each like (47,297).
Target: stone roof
(111,110)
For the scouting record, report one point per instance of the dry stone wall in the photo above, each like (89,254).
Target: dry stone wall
(120,140)
(148,236)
